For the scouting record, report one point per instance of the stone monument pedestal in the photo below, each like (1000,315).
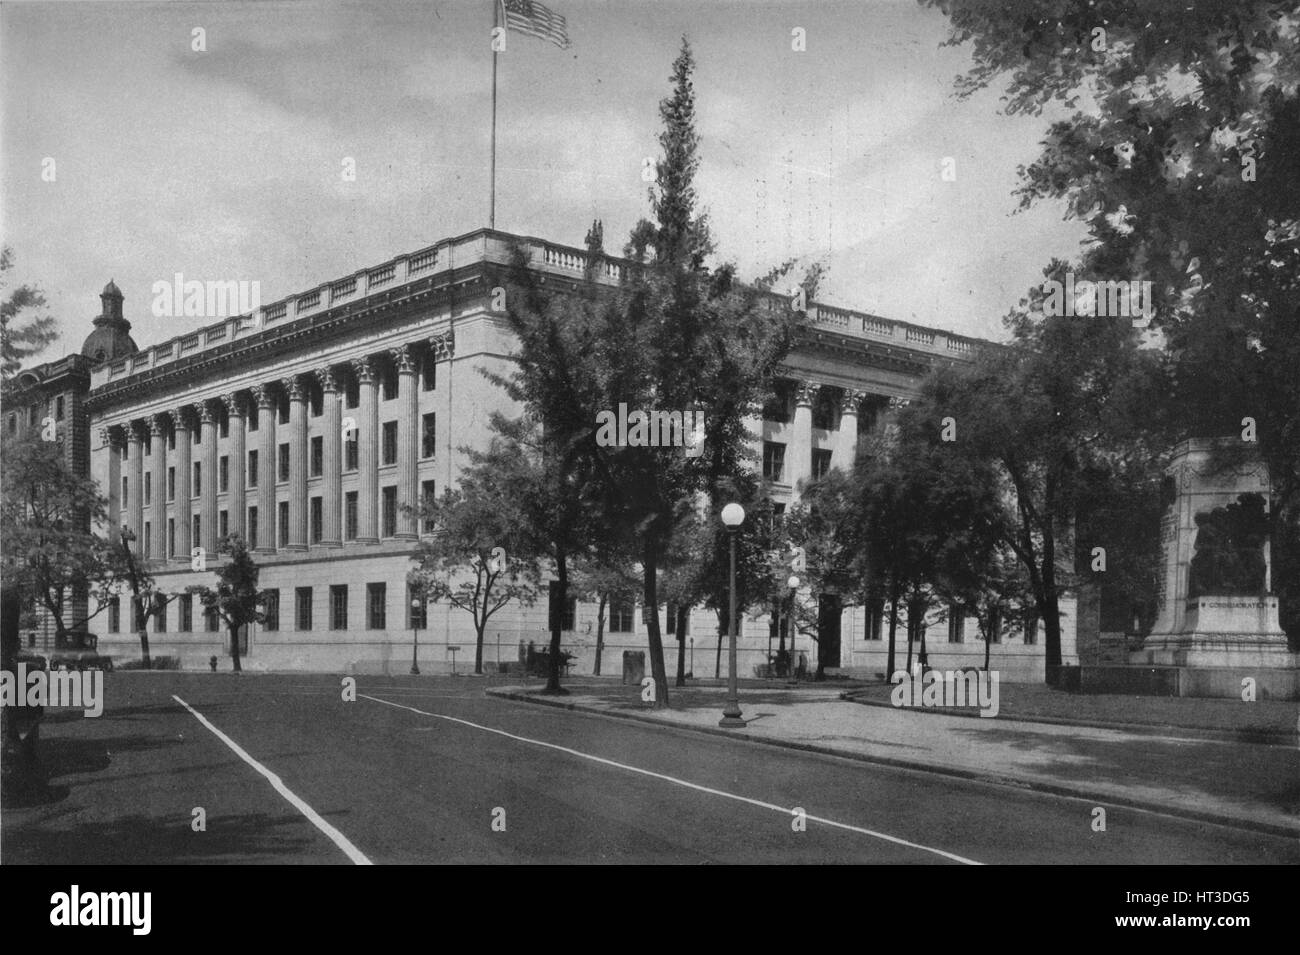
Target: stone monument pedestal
(1234,629)
(1222,632)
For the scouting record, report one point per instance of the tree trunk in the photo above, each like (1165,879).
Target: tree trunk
(1051,612)
(234,648)
(479,628)
(658,671)
(561,596)
(910,608)
(600,632)
(681,646)
(893,629)
(136,608)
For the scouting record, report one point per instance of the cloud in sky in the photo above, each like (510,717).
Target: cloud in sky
(227,163)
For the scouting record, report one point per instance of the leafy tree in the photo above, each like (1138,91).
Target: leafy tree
(148,601)
(603,576)
(467,559)
(20,342)
(236,598)
(48,551)
(1180,154)
(1064,422)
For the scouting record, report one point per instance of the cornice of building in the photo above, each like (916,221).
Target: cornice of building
(435,275)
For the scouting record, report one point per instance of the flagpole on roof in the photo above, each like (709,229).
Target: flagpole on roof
(492,195)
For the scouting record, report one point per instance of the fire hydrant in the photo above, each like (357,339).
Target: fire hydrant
(212,662)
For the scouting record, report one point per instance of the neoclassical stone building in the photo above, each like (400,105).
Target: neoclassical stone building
(308,424)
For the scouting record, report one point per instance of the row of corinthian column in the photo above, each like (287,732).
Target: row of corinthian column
(361,423)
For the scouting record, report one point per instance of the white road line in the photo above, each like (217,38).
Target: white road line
(679,782)
(340,840)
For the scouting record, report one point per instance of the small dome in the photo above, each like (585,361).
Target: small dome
(108,343)
(111,338)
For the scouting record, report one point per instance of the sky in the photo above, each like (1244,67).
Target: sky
(227,163)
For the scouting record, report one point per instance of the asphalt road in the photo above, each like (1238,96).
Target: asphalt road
(416,770)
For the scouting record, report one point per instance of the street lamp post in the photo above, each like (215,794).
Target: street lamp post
(793,584)
(416,606)
(733,515)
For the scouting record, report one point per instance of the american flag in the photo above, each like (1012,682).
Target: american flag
(530,17)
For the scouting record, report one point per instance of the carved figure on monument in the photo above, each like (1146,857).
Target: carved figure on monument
(1229,558)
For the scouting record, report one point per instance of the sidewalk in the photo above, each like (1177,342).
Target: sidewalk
(1246,785)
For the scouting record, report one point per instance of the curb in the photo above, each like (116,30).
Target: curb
(1142,805)
(1258,738)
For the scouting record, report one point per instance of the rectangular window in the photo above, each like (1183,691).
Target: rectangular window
(223,473)
(284,463)
(148,487)
(390,384)
(956,623)
(272,610)
(376,596)
(821,463)
(390,442)
(148,539)
(223,523)
(171,537)
(773,461)
(389,497)
(316,401)
(427,496)
(350,516)
(352,394)
(115,614)
(148,439)
(211,621)
(417,617)
(338,606)
(317,456)
(254,416)
(283,408)
(223,425)
(196,531)
(171,484)
(317,520)
(251,480)
(350,452)
(302,607)
(159,614)
(620,615)
(283,523)
(185,613)
(1031,626)
(777,405)
(823,409)
(196,489)
(671,618)
(124,487)
(252,528)
(567,613)
(58,408)
(429,436)
(430,371)
(875,618)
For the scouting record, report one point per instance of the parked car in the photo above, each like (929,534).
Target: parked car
(76,650)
